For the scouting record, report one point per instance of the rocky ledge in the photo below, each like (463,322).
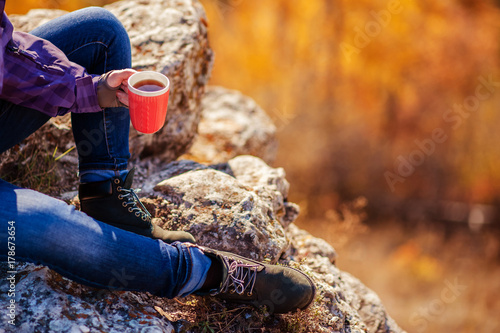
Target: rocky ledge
(233,201)
(240,206)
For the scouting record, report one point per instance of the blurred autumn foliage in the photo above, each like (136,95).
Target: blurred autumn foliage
(374,98)
(393,100)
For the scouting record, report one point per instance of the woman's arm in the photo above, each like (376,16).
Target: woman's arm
(36,74)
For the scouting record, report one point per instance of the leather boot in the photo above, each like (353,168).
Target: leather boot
(114,202)
(282,289)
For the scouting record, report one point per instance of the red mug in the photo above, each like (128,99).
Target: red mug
(148,100)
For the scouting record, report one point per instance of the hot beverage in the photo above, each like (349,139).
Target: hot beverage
(149,85)
(148,100)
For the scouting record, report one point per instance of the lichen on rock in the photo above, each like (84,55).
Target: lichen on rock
(225,213)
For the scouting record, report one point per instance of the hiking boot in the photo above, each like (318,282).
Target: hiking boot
(114,202)
(282,289)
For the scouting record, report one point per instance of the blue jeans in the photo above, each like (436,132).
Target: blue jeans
(96,40)
(48,231)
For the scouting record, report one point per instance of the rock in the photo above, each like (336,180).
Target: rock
(169,37)
(239,206)
(269,183)
(305,245)
(170,170)
(233,206)
(232,124)
(47,302)
(346,304)
(222,213)
(34,18)
(210,204)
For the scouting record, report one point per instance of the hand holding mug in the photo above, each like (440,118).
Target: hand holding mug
(112,88)
(145,93)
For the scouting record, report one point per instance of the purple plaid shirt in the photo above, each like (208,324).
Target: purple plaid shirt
(36,74)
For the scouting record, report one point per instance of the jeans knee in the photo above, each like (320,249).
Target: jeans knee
(104,19)
(117,37)
(98,14)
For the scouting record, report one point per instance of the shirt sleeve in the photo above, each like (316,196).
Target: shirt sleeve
(34,73)
(5,32)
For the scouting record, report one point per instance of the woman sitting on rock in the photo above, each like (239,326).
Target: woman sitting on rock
(74,64)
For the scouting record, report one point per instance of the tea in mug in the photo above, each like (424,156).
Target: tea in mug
(149,85)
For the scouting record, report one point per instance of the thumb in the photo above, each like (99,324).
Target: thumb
(116,77)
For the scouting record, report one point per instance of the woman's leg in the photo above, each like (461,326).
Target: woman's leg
(17,123)
(95,39)
(47,231)
(43,230)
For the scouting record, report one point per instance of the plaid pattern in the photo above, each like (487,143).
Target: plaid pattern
(36,74)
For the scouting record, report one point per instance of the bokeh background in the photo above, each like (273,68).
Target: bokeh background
(387,116)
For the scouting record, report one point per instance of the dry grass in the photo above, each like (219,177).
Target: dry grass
(37,164)
(27,166)
(46,161)
(209,315)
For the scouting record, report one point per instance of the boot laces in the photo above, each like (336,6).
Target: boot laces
(132,199)
(240,277)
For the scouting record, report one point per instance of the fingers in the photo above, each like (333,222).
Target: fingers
(119,77)
(122,97)
(124,87)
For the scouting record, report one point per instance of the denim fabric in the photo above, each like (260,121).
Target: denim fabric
(95,39)
(17,123)
(52,233)
(100,175)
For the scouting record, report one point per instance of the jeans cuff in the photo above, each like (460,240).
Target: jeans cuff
(200,266)
(89,176)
